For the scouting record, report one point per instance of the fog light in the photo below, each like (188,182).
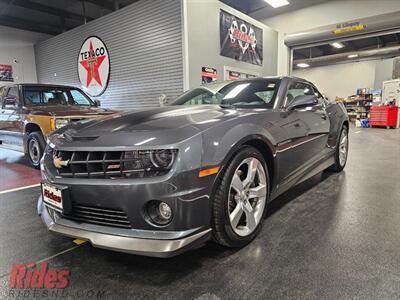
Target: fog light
(158,213)
(165,210)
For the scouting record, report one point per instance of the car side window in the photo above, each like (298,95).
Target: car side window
(3,91)
(76,98)
(296,89)
(11,100)
(321,98)
(33,97)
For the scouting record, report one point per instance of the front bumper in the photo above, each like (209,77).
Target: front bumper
(144,245)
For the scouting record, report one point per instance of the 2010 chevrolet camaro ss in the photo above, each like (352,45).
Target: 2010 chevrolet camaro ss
(160,181)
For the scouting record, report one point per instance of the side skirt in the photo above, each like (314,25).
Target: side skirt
(309,172)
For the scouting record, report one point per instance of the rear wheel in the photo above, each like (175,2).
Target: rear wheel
(241,198)
(35,148)
(341,152)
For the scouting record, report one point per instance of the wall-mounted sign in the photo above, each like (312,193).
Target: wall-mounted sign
(94,66)
(208,75)
(349,27)
(239,39)
(6,73)
(232,75)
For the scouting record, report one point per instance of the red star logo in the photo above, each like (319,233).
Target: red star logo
(92,65)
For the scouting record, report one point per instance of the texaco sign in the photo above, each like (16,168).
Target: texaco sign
(94,66)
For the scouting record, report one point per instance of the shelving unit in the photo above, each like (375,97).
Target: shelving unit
(358,107)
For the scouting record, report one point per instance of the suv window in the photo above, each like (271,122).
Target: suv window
(296,89)
(3,91)
(12,93)
(55,96)
(78,98)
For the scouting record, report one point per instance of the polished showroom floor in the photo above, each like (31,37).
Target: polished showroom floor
(337,236)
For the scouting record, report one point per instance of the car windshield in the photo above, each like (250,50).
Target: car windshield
(246,93)
(55,96)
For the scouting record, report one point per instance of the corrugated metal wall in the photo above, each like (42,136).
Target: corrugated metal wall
(144,41)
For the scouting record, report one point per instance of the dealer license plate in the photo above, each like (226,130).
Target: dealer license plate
(52,195)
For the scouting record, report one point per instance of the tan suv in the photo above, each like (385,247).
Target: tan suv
(29,112)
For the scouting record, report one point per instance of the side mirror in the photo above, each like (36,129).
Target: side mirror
(97,102)
(10,102)
(303,101)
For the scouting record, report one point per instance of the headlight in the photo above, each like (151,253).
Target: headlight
(58,123)
(162,158)
(149,160)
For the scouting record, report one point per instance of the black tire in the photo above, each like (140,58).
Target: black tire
(223,232)
(37,139)
(337,166)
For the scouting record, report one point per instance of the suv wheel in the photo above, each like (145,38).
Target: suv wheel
(35,148)
(240,199)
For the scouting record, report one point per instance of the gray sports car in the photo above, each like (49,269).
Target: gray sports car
(160,181)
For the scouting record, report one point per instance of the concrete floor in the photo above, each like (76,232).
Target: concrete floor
(15,170)
(337,236)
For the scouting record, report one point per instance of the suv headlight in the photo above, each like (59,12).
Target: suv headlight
(58,123)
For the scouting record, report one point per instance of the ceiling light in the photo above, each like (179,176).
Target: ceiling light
(352,55)
(277,3)
(303,65)
(337,45)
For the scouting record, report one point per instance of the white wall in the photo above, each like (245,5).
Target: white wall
(344,79)
(383,72)
(327,13)
(340,80)
(16,44)
(203,42)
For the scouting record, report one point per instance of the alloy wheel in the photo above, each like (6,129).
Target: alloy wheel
(343,147)
(34,151)
(247,196)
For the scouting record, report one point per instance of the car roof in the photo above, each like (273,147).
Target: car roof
(47,85)
(216,86)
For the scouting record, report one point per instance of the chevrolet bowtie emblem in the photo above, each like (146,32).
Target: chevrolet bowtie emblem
(59,163)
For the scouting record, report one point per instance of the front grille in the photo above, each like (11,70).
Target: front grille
(99,216)
(106,164)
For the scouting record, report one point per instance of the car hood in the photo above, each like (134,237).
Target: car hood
(70,110)
(148,127)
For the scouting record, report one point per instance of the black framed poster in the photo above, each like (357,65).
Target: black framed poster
(239,39)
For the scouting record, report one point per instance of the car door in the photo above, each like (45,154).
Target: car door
(12,127)
(309,129)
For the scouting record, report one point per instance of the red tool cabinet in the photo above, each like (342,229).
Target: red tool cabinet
(383,116)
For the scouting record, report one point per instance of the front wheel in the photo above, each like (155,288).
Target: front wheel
(240,199)
(35,148)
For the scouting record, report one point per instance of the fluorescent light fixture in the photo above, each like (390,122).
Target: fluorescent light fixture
(337,45)
(352,55)
(277,3)
(303,65)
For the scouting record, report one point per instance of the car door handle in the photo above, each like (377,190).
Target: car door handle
(324,117)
